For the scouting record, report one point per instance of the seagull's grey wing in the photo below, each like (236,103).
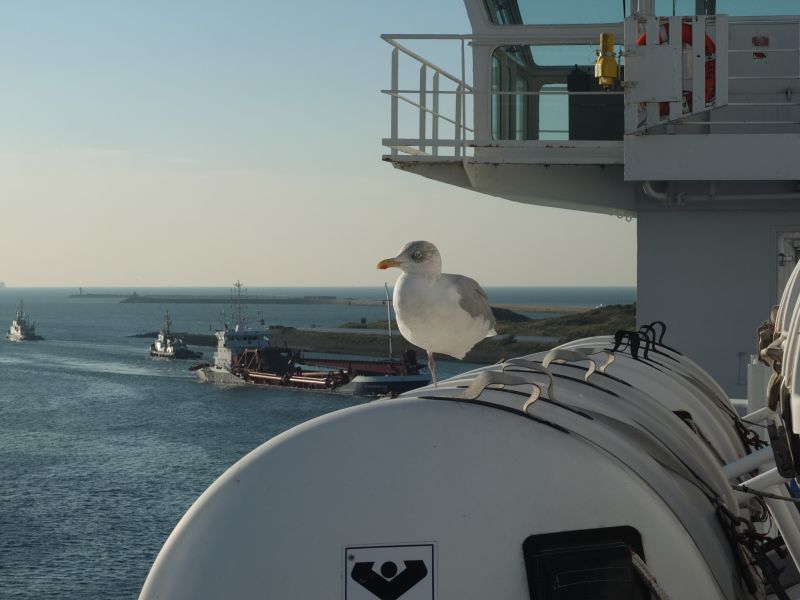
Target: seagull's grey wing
(473,298)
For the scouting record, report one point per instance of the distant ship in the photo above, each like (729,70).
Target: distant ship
(22,328)
(168,345)
(2,284)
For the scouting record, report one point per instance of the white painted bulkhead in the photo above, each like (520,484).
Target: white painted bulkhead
(712,276)
(273,525)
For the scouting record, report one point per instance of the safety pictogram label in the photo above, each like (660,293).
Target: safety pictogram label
(402,572)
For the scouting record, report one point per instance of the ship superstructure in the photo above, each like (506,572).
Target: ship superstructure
(697,139)
(234,340)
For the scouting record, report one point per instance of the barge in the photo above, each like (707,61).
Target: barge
(245,355)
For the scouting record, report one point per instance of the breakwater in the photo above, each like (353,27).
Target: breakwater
(218,299)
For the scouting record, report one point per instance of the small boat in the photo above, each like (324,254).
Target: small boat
(22,328)
(168,345)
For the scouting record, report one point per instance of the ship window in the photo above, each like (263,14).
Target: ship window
(549,93)
(591,564)
(547,12)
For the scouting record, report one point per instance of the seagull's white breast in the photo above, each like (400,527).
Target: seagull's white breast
(429,315)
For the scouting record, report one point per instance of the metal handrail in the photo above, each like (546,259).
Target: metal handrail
(426,101)
(425,61)
(509,93)
(425,109)
(396,94)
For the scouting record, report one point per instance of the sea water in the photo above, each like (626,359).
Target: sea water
(102,448)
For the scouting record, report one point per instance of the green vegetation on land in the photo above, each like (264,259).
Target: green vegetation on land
(599,321)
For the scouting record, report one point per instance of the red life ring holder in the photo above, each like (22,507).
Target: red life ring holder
(711,64)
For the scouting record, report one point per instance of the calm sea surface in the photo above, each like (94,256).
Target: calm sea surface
(102,449)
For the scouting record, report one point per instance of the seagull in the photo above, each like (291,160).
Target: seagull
(439,312)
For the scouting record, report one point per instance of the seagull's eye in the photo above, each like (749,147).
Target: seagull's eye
(416,256)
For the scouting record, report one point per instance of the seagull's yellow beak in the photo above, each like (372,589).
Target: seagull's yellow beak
(388,262)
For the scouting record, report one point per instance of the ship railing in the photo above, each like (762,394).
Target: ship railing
(757,91)
(452,118)
(444,103)
(756,82)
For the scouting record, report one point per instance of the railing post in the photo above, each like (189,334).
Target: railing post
(423,98)
(721,41)
(435,121)
(653,30)
(631,108)
(463,96)
(459,92)
(699,64)
(395,100)
(676,42)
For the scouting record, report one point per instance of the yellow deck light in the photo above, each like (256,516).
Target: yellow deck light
(606,70)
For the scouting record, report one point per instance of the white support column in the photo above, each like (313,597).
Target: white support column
(765,480)
(676,42)
(395,100)
(699,64)
(748,463)
(631,108)
(463,97)
(646,7)
(721,43)
(423,105)
(459,93)
(435,118)
(652,29)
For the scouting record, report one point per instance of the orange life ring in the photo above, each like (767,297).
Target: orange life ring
(711,64)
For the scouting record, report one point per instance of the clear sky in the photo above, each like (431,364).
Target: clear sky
(196,142)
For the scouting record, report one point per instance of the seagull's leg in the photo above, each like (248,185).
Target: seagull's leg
(432,367)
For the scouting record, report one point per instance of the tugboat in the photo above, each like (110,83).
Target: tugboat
(167,345)
(22,328)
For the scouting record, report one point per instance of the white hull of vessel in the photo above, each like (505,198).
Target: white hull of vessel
(219,376)
(22,329)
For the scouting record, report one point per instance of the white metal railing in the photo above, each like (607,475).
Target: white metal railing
(418,98)
(432,103)
(736,107)
(443,120)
